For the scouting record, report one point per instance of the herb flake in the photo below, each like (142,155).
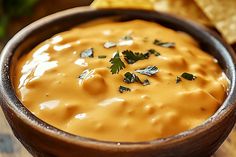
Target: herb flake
(153,51)
(178,79)
(102,56)
(188,76)
(89,53)
(132,57)
(126,41)
(131,78)
(127,37)
(123,89)
(109,44)
(164,44)
(117,64)
(146,82)
(150,70)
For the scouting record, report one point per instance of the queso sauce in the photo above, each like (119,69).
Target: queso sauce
(67,82)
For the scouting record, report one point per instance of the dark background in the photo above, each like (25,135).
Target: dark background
(16,14)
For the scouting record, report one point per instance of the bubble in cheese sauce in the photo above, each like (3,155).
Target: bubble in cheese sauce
(81,96)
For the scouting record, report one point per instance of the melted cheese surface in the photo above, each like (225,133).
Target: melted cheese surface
(48,84)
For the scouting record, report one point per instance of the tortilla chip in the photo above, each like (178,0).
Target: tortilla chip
(139,4)
(184,8)
(222,13)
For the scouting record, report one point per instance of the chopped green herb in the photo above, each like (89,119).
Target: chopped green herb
(132,57)
(146,82)
(188,76)
(150,70)
(178,79)
(102,56)
(109,44)
(153,51)
(86,74)
(123,89)
(164,44)
(127,37)
(131,78)
(126,41)
(117,64)
(87,53)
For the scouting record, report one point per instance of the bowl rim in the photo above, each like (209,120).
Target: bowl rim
(8,94)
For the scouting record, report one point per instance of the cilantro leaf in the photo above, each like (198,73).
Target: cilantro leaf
(109,44)
(123,89)
(153,51)
(164,44)
(89,53)
(188,76)
(131,78)
(150,70)
(132,57)
(117,64)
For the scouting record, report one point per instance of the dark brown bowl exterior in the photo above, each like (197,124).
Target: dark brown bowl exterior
(43,140)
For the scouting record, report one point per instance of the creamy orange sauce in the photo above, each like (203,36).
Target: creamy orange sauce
(48,84)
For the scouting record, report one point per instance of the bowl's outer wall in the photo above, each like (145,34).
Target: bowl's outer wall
(41,144)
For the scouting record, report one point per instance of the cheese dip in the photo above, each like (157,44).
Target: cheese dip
(127,81)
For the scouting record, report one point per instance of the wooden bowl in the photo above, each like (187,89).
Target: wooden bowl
(44,140)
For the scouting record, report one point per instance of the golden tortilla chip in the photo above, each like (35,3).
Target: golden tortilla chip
(184,8)
(139,4)
(222,13)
